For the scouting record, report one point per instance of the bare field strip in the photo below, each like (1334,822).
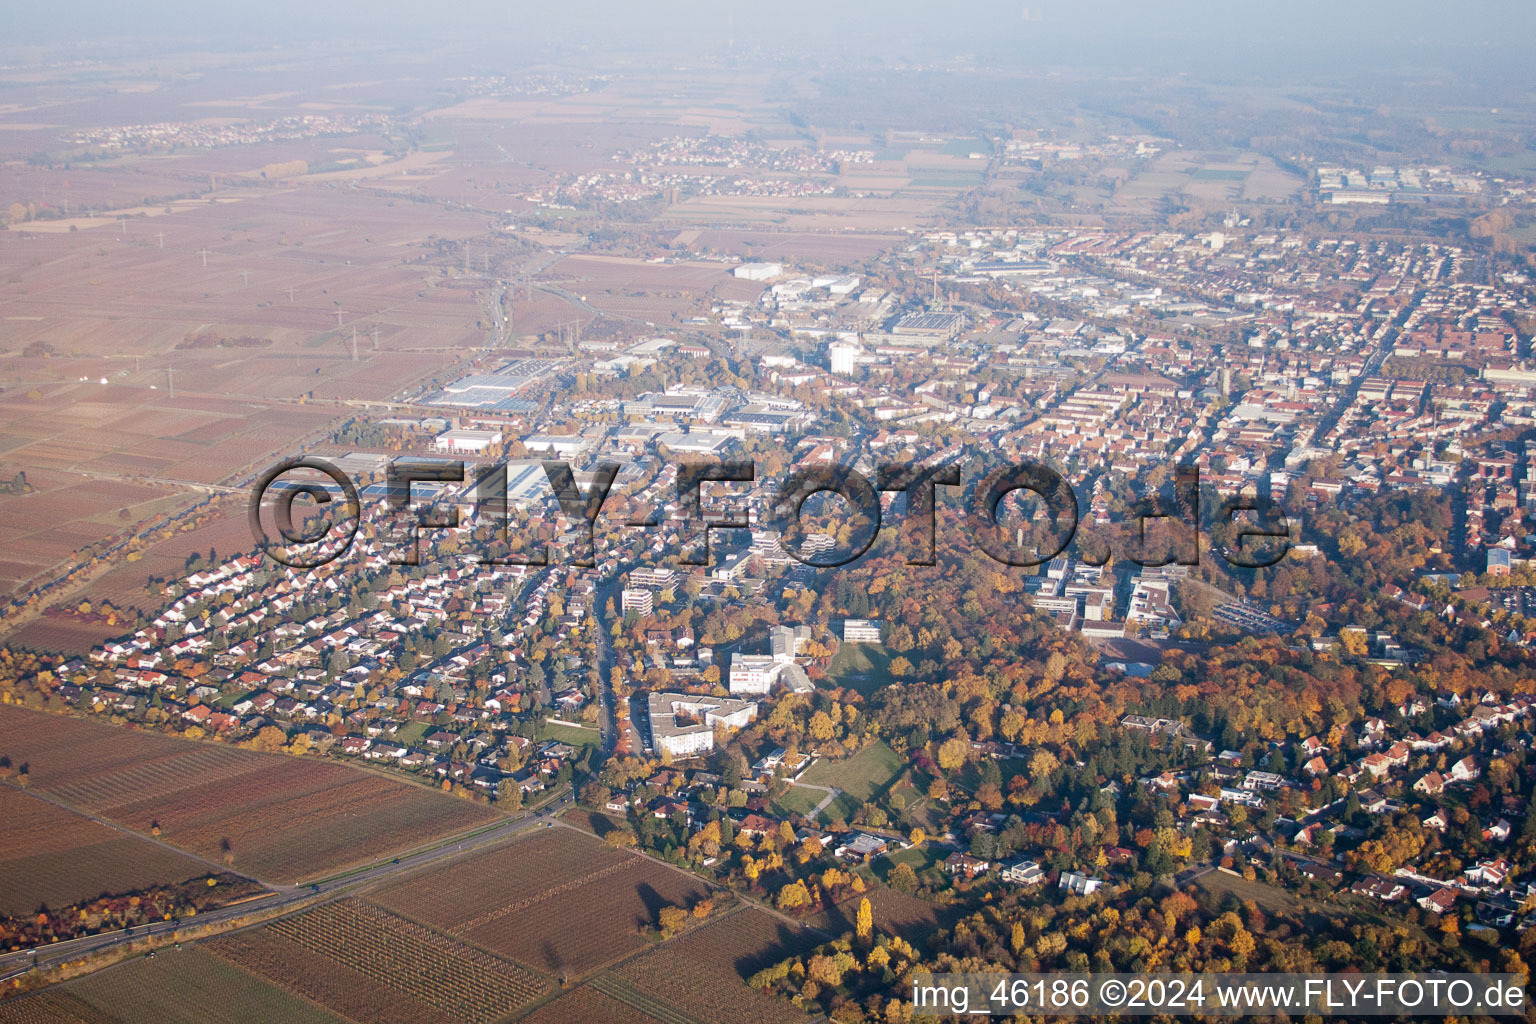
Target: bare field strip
(560,902)
(377,968)
(55,857)
(704,972)
(187,986)
(284,818)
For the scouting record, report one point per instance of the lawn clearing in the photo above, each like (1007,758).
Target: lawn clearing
(864,776)
(1267,896)
(1338,905)
(921,858)
(569,734)
(411,734)
(861,667)
(798,800)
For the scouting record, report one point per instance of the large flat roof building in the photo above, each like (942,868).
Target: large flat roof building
(861,631)
(758,271)
(467,442)
(751,673)
(683,724)
(929,325)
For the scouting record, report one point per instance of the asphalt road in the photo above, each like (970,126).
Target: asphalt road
(15,964)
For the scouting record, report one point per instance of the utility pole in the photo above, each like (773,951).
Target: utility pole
(354,343)
(170,380)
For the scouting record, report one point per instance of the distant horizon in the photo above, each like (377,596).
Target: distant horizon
(1190,36)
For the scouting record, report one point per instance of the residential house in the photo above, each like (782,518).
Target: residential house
(964,864)
(1078,884)
(1023,872)
(1438,902)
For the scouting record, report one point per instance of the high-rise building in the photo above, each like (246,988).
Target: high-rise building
(844,358)
(640,602)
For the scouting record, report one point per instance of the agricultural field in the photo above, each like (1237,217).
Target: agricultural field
(131,584)
(560,902)
(841,248)
(894,211)
(56,857)
(596,822)
(127,584)
(183,341)
(638,290)
(584,1005)
(377,968)
(64,513)
(1211,178)
(188,986)
(703,973)
(277,818)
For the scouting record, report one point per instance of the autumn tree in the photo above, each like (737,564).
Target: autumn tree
(671,920)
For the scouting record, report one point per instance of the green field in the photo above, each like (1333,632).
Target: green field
(960,178)
(1338,905)
(1219,174)
(411,734)
(798,801)
(965,147)
(569,734)
(861,667)
(1266,896)
(923,811)
(864,776)
(921,858)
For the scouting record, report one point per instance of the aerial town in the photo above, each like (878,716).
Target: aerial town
(435,487)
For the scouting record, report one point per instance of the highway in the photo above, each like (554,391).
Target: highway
(20,962)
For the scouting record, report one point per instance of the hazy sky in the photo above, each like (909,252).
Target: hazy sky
(1282,34)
